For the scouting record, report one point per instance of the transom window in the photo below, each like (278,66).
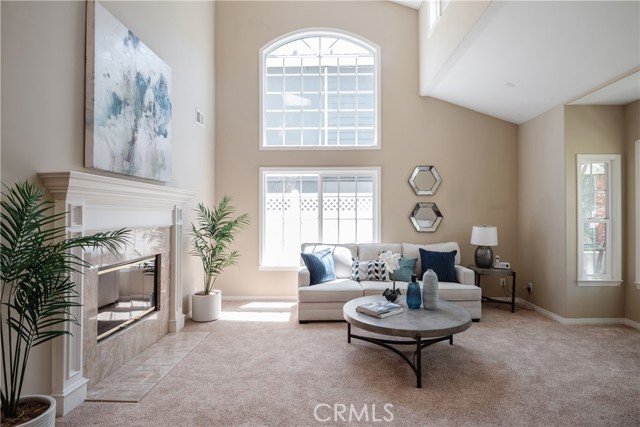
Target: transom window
(599,220)
(320,205)
(320,90)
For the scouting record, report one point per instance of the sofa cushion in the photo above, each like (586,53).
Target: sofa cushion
(442,263)
(339,290)
(342,254)
(458,292)
(370,287)
(411,250)
(370,251)
(406,268)
(320,266)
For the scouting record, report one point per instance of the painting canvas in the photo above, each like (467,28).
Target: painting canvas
(128,105)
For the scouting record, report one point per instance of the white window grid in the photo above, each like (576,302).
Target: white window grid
(599,235)
(353,216)
(345,112)
(637,215)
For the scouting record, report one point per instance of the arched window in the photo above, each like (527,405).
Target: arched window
(320,89)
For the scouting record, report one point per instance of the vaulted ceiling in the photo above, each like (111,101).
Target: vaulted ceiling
(522,58)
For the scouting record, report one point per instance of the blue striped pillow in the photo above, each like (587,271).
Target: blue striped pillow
(442,263)
(320,265)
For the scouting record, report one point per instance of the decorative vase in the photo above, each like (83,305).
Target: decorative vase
(205,308)
(414,299)
(430,290)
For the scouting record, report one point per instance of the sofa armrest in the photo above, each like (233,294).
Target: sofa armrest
(465,275)
(304,277)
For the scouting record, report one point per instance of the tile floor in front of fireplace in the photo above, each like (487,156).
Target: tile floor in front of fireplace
(134,379)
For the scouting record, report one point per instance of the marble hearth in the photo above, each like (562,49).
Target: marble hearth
(154,214)
(104,357)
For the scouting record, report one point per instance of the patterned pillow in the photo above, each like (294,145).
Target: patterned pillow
(375,270)
(355,269)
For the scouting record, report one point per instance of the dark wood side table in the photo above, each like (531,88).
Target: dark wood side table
(497,272)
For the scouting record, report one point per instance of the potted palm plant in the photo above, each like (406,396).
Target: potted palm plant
(213,231)
(37,293)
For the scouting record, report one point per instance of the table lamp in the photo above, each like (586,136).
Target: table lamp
(484,236)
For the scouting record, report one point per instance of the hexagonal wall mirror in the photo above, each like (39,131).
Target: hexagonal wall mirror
(426,217)
(425,180)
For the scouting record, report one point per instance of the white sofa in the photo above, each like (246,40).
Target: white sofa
(324,301)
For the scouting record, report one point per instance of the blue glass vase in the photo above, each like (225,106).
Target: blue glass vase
(414,297)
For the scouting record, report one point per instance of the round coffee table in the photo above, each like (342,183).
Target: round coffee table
(423,327)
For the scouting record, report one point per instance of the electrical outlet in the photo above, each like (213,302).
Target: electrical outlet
(502,282)
(529,287)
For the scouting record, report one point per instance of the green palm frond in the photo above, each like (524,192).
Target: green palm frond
(38,293)
(211,234)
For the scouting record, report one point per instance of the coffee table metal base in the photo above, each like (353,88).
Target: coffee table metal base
(418,342)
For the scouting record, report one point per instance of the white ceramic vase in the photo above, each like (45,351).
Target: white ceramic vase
(47,418)
(205,308)
(430,290)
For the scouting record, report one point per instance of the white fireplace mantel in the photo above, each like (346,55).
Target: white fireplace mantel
(96,203)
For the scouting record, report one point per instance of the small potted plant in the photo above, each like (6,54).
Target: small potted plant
(212,233)
(37,294)
(391,260)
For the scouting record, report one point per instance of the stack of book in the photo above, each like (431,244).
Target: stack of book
(380,309)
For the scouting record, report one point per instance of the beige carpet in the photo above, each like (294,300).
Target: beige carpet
(259,367)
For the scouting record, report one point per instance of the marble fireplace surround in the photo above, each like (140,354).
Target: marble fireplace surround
(100,203)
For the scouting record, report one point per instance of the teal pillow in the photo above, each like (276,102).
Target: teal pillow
(406,268)
(442,263)
(320,265)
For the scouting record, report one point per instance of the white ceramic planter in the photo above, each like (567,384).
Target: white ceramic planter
(46,419)
(205,308)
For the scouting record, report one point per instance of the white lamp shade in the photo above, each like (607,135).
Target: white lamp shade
(484,235)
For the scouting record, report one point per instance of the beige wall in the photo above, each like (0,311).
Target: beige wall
(475,154)
(541,201)
(590,130)
(547,236)
(632,293)
(43,98)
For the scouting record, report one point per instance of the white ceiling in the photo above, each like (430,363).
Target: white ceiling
(523,58)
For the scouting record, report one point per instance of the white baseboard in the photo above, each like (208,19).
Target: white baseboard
(544,312)
(585,320)
(630,323)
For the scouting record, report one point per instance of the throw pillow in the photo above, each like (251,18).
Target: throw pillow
(377,270)
(406,267)
(320,265)
(355,269)
(442,263)
(374,270)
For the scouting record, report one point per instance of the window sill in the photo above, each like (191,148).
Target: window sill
(320,147)
(592,283)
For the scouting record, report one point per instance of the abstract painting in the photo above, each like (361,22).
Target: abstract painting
(128,101)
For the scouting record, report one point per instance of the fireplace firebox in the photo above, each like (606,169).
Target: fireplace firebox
(127,292)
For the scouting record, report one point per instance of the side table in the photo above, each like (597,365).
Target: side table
(498,272)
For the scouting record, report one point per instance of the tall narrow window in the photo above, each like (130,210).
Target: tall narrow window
(599,220)
(320,89)
(637,214)
(436,10)
(321,205)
